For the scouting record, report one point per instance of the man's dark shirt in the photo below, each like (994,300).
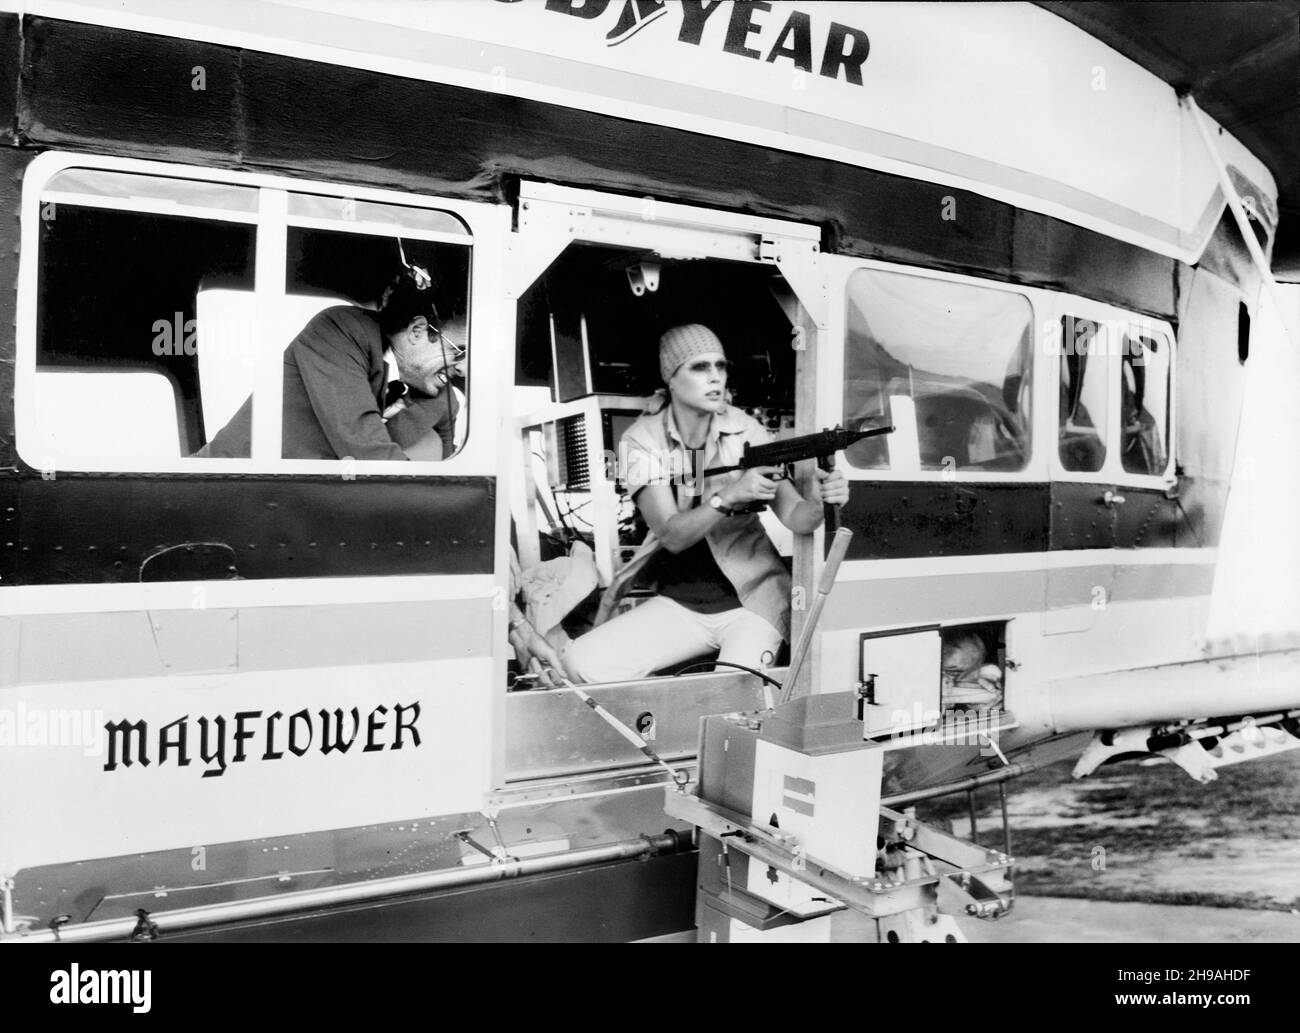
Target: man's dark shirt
(334,380)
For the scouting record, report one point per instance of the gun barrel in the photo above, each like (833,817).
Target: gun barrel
(871,432)
(794,450)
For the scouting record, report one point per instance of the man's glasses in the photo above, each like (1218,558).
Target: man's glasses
(720,366)
(432,331)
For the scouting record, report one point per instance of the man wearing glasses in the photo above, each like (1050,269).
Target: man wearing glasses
(338,398)
(423,403)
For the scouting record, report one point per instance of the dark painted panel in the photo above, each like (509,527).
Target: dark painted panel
(1148,520)
(895,521)
(1113,271)
(94,88)
(80,529)
(88,83)
(1080,520)
(902,220)
(899,521)
(11,45)
(611,904)
(12,164)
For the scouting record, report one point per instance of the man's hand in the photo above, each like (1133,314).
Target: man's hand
(537,656)
(830,488)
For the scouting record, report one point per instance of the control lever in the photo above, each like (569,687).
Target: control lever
(800,652)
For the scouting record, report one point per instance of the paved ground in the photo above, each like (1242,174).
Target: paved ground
(1070,920)
(1063,920)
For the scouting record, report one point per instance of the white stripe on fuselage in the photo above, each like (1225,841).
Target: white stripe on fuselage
(216,595)
(993,563)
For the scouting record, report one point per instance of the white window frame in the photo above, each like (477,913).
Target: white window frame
(910,470)
(488,226)
(1049,307)
(1118,321)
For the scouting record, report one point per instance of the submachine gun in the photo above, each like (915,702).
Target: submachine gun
(785,452)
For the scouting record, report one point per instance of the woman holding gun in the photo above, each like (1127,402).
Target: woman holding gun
(722,584)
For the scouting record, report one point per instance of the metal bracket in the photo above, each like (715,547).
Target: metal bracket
(470,841)
(635,280)
(1107,745)
(545,229)
(643,276)
(978,898)
(7,904)
(914,927)
(9,922)
(799,261)
(1193,759)
(987,885)
(145,931)
(982,876)
(1197,749)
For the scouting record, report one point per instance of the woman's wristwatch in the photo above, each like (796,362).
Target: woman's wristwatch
(715,500)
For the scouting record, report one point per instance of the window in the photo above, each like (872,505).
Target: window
(1084,393)
(1144,414)
(169,313)
(956,356)
(1122,367)
(117,308)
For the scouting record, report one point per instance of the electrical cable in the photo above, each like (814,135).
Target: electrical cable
(727,663)
(564,523)
(446,387)
(572,511)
